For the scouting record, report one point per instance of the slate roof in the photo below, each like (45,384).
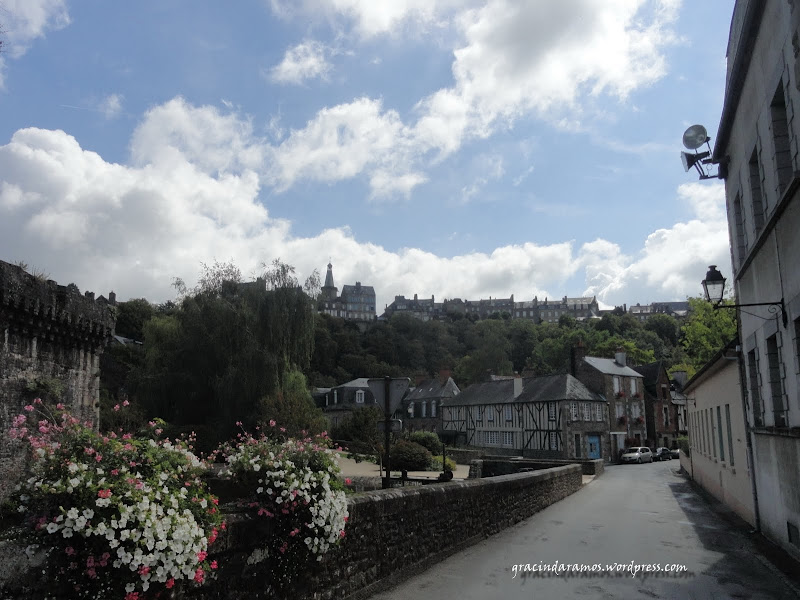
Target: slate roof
(534,389)
(433,388)
(609,366)
(361,382)
(650,374)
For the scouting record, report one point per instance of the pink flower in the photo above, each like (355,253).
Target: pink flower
(283,429)
(199,575)
(201,556)
(69,550)
(37,401)
(115,471)
(144,570)
(116,407)
(213,564)
(29,407)
(342,533)
(132,596)
(170,583)
(60,406)
(91,573)
(348,481)
(104,493)
(125,403)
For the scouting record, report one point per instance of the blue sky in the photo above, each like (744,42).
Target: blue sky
(451,148)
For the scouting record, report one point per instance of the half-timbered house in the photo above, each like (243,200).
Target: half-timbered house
(536,417)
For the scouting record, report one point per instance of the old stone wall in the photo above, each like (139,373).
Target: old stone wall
(390,535)
(51,337)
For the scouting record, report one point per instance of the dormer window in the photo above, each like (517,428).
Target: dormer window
(360,397)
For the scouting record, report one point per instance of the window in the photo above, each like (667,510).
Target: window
(336,396)
(574,410)
(586,410)
(636,410)
(633,386)
(598,412)
(509,411)
(410,410)
(492,438)
(755,391)
(620,408)
(780,139)
(490,414)
(719,433)
(666,417)
(433,408)
(755,192)
(730,437)
(551,411)
(616,385)
(553,440)
(508,438)
(424,409)
(775,380)
(359,396)
(577,445)
(478,413)
(739,231)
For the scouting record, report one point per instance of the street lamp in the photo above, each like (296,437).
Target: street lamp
(714,288)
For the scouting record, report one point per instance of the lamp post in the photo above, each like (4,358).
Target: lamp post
(714,288)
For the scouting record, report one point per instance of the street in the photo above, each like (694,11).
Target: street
(633,515)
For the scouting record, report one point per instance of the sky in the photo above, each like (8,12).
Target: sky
(447,148)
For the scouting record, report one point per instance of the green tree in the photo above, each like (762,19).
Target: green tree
(131,317)
(293,408)
(706,331)
(665,327)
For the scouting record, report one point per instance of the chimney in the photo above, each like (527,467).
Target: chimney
(681,377)
(444,375)
(517,385)
(620,358)
(112,298)
(415,296)
(577,354)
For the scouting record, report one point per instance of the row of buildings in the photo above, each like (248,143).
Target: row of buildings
(601,407)
(357,303)
(744,405)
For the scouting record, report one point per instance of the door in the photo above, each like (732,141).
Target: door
(594,446)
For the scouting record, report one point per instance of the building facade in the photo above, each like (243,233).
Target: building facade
(665,406)
(758,151)
(356,303)
(535,417)
(421,407)
(717,433)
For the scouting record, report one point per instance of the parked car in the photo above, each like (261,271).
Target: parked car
(637,455)
(662,454)
(675,452)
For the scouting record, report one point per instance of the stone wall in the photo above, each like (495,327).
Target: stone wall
(493,466)
(51,337)
(391,535)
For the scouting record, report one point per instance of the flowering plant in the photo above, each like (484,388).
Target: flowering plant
(622,420)
(118,515)
(620,394)
(294,484)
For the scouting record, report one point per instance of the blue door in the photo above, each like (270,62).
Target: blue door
(594,446)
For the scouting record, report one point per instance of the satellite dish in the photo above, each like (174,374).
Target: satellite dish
(694,137)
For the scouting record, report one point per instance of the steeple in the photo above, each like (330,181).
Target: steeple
(329,290)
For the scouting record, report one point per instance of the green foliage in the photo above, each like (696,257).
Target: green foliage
(428,440)
(361,427)
(408,456)
(293,407)
(131,317)
(665,327)
(215,358)
(706,331)
(683,444)
(49,389)
(436,463)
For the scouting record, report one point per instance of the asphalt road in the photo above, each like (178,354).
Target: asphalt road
(631,515)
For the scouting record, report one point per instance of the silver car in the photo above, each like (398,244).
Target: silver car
(637,455)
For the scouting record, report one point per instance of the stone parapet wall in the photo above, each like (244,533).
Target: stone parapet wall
(51,338)
(391,535)
(494,466)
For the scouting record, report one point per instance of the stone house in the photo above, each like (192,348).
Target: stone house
(356,303)
(614,380)
(535,417)
(339,402)
(421,407)
(665,406)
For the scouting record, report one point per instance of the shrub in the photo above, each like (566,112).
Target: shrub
(436,464)
(683,444)
(428,440)
(118,516)
(409,456)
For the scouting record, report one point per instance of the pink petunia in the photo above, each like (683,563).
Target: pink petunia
(29,407)
(199,575)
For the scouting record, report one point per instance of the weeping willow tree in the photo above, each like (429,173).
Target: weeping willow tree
(225,351)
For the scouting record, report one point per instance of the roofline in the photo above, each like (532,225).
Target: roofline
(741,65)
(709,365)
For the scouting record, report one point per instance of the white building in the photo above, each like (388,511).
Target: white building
(718,435)
(757,148)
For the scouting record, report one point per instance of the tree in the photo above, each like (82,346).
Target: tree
(706,331)
(293,408)
(665,327)
(131,317)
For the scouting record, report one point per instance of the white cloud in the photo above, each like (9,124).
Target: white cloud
(191,195)
(305,61)
(26,20)
(111,106)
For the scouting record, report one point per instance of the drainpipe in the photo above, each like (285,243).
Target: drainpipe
(749,435)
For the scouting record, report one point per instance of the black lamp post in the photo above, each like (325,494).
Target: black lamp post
(714,288)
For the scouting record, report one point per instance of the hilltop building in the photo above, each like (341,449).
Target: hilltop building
(356,303)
